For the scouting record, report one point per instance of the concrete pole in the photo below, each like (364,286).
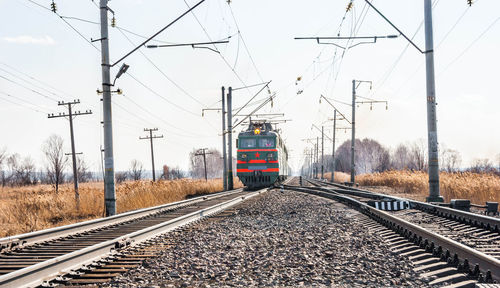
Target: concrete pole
(333,149)
(434,195)
(322,153)
(353,138)
(73,157)
(311,167)
(317,158)
(109,171)
(205,164)
(224,156)
(229,140)
(152,155)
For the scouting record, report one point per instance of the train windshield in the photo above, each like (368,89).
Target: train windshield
(266,142)
(248,143)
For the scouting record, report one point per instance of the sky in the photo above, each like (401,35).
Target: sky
(47,57)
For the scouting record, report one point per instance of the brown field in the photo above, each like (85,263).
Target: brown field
(31,208)
(340,177)
(479,188)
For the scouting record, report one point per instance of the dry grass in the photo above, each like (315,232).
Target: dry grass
(479,188)
(340,177)
(31,208)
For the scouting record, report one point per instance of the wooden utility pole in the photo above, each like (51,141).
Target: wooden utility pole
(202,152)
(73,154)
(151,137)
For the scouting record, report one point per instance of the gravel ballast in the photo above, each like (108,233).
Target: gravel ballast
(277,239)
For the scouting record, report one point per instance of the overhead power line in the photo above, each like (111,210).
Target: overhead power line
(216,49)
(28,88)
(161,71)
(244,42)
(27,105)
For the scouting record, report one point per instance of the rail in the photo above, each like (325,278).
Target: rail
(36,274)
(468,257)
(482,221)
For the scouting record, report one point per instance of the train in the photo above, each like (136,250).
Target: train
(262,157)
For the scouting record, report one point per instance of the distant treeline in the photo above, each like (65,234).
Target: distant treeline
(372,157)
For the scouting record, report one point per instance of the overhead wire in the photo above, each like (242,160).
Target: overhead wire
(391,68)
(162,72)
(217,49)
(28,88)
(21,104)
(244,42)
(468,47)
(129,74)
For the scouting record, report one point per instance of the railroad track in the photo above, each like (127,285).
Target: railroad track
(441,250)
(102,248)
(471,232)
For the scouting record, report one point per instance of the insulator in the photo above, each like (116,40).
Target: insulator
(113,21)
(469,2)
(349,6)
(371,107)
(53,6)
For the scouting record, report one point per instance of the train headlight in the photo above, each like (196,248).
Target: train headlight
(256,131)
(244,156)
(270,156)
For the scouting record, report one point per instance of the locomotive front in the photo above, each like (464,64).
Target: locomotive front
(261,156)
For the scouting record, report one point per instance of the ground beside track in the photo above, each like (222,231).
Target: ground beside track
(277,239)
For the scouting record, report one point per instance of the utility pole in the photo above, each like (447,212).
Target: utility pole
(224,155)
(229,140)
(151,137)
(322,152)
(333,140)
(434,195)
(70,116)
(109,170)
(353,123)
(317,158)
(353,138)
(204,153)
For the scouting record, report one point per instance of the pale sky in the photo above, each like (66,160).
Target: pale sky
(53,62)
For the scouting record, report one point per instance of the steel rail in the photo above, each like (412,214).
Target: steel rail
(36,274)
(483,221)
(436,242)
(66,230)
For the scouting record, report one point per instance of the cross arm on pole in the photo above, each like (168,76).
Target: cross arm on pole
(397,29)
(374,40)
(328,101)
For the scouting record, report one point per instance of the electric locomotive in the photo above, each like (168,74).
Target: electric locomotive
(261,156)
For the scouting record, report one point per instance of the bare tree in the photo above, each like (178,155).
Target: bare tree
(166,173)
(3,157)
(401,157)
(56,160)
(121,177)
(214,164)
(176,173)
(481,166)
(136,170)
(13,163)
(498,162)
(418,155)
(450,159)
(26,172)
(82,170)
